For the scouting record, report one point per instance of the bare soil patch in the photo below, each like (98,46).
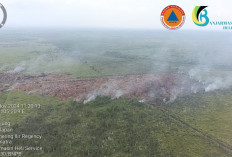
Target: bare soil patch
(142,86)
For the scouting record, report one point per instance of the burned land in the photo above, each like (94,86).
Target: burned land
(144,87)
(120,93)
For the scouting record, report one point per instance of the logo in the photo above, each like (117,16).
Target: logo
(4,15)
(173,17)
(199,16)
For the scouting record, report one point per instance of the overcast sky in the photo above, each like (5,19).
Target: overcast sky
(105,13)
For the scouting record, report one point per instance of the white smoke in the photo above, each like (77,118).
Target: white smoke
(110,88)
(19,68)
(219,83)
(90,98)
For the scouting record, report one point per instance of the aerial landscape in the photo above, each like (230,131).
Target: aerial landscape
(118,92)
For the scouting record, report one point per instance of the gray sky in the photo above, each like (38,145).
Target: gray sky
(105,13)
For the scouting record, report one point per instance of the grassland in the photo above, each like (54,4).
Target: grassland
(85,53)
(209,112)
(104,127)
(121,127)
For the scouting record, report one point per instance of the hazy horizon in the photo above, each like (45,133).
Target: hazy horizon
(125,14)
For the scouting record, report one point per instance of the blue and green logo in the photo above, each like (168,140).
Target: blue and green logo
(199,16)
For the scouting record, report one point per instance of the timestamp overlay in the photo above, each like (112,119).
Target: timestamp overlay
(13,140)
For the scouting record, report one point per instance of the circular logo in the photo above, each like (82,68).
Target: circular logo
(172,17)
(4,15)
